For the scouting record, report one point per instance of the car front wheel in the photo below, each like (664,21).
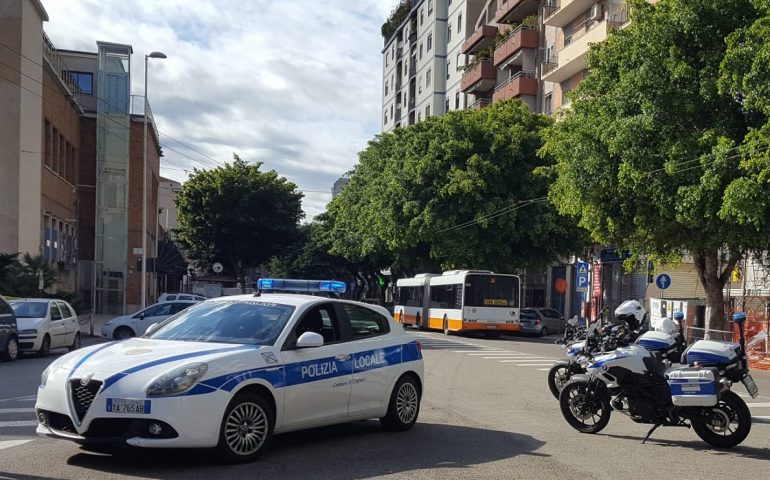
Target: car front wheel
(247,428)
(45,347)
(123,333)
(404,405)
(11,350)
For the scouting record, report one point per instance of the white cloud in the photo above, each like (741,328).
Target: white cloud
(294,84)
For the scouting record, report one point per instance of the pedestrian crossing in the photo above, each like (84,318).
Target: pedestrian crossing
(17,421)
(760,407)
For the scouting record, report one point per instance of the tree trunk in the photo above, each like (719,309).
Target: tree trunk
(713,279)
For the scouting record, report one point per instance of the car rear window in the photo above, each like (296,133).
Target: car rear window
(528,315)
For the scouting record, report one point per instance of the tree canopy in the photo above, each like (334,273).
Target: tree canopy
(455,191)
(237,215)
(651,143)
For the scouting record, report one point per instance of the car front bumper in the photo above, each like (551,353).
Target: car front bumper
(30,343)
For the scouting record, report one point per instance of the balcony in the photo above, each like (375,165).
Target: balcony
(480,103)
(479,78)
(515,10)
(481,39)
(519,38)
(572,58)
(521,83)
(560,12)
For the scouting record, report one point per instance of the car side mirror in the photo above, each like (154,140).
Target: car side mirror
(310,340)
(151,329)
(141,316)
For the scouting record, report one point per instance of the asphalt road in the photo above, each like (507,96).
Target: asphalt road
(486,413)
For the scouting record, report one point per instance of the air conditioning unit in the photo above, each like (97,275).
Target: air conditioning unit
(596,12)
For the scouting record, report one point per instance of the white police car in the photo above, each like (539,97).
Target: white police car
(230,372)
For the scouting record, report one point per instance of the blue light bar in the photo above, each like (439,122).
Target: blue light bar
(296,285)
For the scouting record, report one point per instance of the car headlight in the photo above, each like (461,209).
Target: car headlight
(44,376)
(178,380)
(30,331)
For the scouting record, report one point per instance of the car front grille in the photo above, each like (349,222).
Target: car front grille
(60,422)
(83,395)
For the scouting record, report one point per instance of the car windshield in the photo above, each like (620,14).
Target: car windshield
(29,309)
(251,323)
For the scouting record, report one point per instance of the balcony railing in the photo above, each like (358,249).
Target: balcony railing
(483,37)
(550,62)
(59,66)
(520,83)
(480,103)
(619,18)
(508,7)
(482,76)
(518,38)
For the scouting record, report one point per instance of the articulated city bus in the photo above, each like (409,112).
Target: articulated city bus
(459,300)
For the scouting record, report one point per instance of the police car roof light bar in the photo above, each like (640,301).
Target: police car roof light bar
(298,285)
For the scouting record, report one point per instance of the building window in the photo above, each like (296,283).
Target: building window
(548,105)
(427,78)
(419,116)
(448,33)
(421,16)
(430,42)
(565,88)
(446,105)
(460,23)
(84,81)
(47,144)
(386,87)
(427,111)
(385,118)
(430,7)
(420,51)
(457,100)
(448,64)
(391,111)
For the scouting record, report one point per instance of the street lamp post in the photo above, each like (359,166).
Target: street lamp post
(144,180)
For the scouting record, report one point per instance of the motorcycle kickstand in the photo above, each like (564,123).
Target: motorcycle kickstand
(654,427)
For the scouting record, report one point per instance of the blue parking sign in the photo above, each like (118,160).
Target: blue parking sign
(581,276)
(663,281)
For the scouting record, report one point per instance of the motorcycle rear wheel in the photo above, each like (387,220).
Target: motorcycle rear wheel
(558,376)
(585,412)
(730,422)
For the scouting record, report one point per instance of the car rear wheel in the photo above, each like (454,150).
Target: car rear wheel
(404,405)
(247,428)
(11,350)
(76,342)
(543,332)
(122,333)
(45,347)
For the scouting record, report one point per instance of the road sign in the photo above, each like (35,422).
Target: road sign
(217,267)
(663,281)
(581,276)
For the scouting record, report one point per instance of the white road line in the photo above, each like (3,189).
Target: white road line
(502,356)
(12,443)
(480,350)
(759,405)
(533,364)
(539,360)
(527,359)
(18,423)
(498,352)
(543,369)
(25,398)
(16,410)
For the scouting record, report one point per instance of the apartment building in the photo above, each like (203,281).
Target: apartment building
(71,153)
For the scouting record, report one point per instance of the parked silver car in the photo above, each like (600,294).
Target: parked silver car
(541,321)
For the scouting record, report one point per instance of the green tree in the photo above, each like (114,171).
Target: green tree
(237,215)
(648,147)
(22,277)
(453,192)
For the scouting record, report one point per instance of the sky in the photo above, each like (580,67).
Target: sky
(295,84)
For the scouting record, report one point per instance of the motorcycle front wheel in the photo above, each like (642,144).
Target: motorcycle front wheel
(726,424)
(585,410)
(558,376)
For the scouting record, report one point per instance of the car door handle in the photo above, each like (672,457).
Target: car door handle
(343,357)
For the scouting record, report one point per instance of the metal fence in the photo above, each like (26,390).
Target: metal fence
(694,333)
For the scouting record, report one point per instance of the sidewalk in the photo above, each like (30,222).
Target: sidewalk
(99,320)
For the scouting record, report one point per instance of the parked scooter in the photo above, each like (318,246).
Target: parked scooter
(634,382)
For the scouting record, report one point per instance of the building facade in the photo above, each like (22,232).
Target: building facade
(71,150)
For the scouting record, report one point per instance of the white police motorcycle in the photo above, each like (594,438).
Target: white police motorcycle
(632,381)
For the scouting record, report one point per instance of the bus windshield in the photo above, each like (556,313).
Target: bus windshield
(491,291)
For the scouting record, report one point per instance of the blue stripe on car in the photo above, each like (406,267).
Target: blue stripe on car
(114,378)
(87,356)
(313,370)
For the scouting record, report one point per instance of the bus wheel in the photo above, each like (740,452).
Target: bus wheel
(446,326)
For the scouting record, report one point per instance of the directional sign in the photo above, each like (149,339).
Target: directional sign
(217,267)
(581,277)
(663,281)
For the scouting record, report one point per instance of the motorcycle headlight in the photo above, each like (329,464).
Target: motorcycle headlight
(30,331)
(44,376)
(178,380)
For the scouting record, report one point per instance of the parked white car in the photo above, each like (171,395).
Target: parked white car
(135,324)
(173,297)
(45,323)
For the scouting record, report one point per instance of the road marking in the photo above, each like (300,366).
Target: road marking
(16,410)
(533,364)
(543,369)
(500,352)
(503,356)
(12,443)
(759,405)
(471,352)
(527,359)
(26,398)
(18,423)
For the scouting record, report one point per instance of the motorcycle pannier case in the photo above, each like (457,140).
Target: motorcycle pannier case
(694,387)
